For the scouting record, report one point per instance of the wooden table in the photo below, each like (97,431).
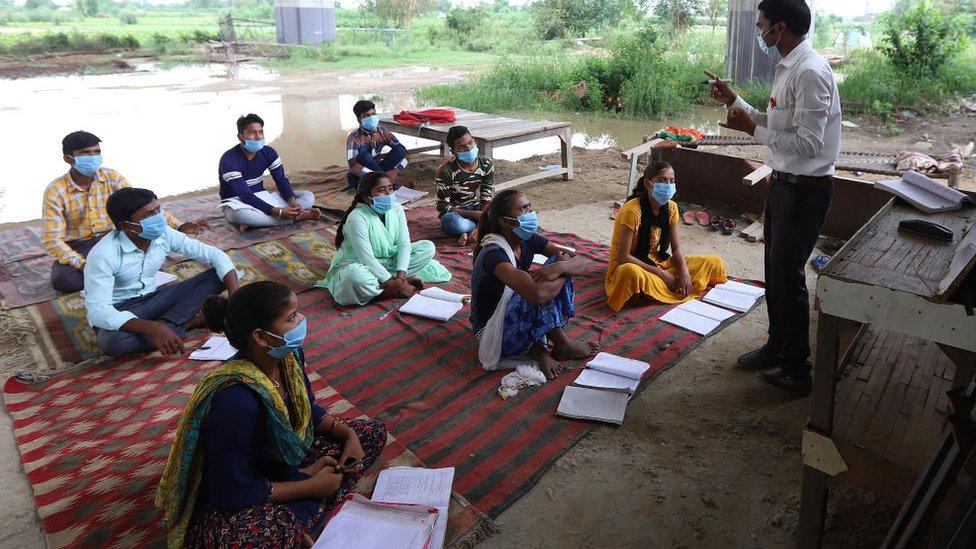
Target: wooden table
(908,284)
(491,131)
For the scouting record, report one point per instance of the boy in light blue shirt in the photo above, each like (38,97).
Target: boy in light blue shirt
(129,314)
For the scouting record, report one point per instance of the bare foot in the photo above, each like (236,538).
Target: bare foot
(549,365)
(573,350)
(195,322)
(241,229)
(309,215)
(462,240)
(416,283)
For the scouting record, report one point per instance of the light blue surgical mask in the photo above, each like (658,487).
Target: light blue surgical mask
(293,340)
(528,225)
(766,48)
(253,145)
(468,156)
(370,123)
(383,203)
(88,164)
(662,192)
(153,226)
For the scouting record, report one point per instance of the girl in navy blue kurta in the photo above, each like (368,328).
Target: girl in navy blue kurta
(256,461)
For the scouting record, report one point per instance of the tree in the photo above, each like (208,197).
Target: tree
(921,40)
(88,7)
(716,9)
(679,12)
(39,4)
(397,13)
(562,18)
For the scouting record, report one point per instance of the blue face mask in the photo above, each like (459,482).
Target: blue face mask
(370,123)
(88,164)
(383,203)
(292,339)
(528,225)
(662,192)
(766,48)
(153,226)
(253,146)
(468,156)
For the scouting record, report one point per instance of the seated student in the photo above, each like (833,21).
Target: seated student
(645,230)
(241,176)
(256,461)
(129,314)
(364,147)
(464,186)
(513,310)
(74,210)
(374,256)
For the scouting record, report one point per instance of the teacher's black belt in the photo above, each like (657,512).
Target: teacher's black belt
(812,180)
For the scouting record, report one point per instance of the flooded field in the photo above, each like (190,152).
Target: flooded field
(166,129)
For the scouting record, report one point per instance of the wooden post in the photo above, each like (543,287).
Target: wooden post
(566,150)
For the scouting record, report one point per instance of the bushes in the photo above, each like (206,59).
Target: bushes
(922,39)
(62,42)
(128,18)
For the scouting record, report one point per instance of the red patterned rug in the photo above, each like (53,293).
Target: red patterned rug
(94,443)
(422,377)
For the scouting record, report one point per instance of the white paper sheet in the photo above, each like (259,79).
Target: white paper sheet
(596,378)
(539,259)
(431,487)
(218,349)
(621,366)
(595,404)
(164,278)
(742,288)
(437,293)
(430,308)
(363,524)
(730,300)
(688,320)
(704,309)
(406,195)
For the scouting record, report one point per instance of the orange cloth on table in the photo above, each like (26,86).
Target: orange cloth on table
(624,280)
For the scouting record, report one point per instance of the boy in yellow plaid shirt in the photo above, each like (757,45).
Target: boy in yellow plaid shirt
(74,210)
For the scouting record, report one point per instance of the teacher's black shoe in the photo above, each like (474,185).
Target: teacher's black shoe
(760,359)
(794,383)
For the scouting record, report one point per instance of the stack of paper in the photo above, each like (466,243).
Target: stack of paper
(925,193)
(216,348)
(696,316)
(406,195)
(366,524)
(430,487)
(734,295)
(434,303)
(602,389)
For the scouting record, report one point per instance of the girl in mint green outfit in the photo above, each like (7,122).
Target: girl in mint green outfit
(374,256)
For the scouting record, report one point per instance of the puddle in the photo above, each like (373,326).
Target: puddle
(166,129)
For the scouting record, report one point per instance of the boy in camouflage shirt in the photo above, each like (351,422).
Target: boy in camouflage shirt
(464,186)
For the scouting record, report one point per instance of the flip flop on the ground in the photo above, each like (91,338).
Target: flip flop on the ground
(702,218)
(728,226)
(688,218)
(715,224)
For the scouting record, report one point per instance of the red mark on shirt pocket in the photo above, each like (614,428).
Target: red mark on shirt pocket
(772,102)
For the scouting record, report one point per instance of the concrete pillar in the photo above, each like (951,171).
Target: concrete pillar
(744,60)
(306,22)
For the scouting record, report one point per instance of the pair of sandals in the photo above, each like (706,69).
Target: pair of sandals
(724,224)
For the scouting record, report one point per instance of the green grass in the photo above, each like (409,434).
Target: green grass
(352,57)
(169,24)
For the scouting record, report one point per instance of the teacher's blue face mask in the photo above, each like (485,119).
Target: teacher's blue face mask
(292,340)
(383,203)
(766,48)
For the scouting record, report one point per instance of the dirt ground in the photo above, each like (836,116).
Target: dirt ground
(707,457)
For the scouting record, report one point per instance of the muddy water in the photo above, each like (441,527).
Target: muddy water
(166,129)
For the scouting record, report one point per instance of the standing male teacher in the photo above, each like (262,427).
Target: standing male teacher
(801,128)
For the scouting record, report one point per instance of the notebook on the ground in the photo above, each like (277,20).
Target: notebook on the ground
(734,295)
(607,371)
(697,316)
(618,365)
(925,193)
(439,307)
(590,403)
(216,348)
(366,524)
(437,293)
(430,487)
(406,195)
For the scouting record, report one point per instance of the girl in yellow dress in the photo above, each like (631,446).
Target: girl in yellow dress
(645,230)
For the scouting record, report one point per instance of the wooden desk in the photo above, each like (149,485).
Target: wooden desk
(899,282)
(491,131)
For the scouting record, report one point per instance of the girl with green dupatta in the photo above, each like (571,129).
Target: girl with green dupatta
(374,257)
(256,462)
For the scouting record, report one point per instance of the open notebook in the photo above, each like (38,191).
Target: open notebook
(216,348)
(406,195)
(602,389)
(366,524)
(435,303)
(734,295)
(697,316)
(430,487)
(607,371)
(924,193)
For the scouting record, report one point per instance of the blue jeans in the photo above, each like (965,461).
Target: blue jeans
(173,304)
(385,163)
(454,224)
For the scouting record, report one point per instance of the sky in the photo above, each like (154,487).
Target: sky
(843,8)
